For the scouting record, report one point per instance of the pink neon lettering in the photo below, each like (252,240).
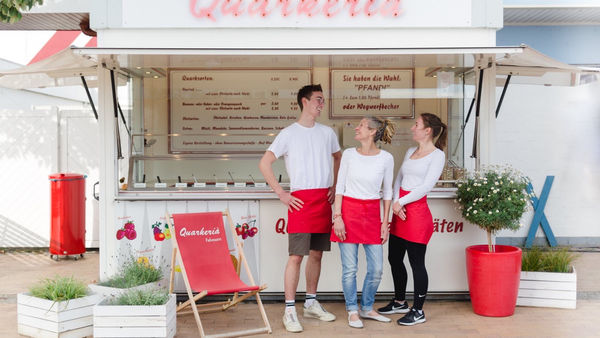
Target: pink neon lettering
(260,9)
(390,8)
(368,11)
(205,12)
(329,5)
(307,8)
(232,7)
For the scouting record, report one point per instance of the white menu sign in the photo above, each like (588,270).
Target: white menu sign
(356,93)
(231,111)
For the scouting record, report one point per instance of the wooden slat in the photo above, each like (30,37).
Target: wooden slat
(559,303)
(551,294)
(564,286)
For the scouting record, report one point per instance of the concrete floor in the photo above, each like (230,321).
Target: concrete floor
(444,318)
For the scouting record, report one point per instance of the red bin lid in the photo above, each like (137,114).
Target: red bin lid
(65,176)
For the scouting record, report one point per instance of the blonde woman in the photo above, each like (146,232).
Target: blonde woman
(364,172)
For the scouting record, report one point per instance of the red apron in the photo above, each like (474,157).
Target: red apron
(315,215)
(362,220)
(418,226)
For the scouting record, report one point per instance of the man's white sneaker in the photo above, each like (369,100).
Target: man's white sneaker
(316,310)
(291,323)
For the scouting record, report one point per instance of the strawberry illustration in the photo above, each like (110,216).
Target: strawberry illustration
(120,234)
(130,234)
(129,225)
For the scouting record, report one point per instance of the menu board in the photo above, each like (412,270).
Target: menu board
(231,111)
(356,93)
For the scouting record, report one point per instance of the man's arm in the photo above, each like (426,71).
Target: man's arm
(266,168)
(337,157)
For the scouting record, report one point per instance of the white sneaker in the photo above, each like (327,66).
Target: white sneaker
(357,324)
(377,317)
(291,323)
(316,310)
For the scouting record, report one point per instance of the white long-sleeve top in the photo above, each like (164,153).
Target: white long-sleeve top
(362,176)
(418,176)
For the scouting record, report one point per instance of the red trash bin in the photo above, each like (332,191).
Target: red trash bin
(67,214)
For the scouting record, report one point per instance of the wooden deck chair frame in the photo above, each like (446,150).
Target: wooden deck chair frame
(217,306)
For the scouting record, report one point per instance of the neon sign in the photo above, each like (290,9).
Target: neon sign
(215,9)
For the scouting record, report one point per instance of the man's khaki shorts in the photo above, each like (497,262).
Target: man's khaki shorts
(301,243)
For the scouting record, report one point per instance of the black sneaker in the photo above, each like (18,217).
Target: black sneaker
(412,318)
(394,307)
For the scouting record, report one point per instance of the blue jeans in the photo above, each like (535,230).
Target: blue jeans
(349,253)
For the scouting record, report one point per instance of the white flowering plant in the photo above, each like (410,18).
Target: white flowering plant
(493,198)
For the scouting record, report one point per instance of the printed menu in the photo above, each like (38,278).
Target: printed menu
(231,111)
(355,93)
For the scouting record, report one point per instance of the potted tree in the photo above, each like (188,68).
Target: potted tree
(57,307)
(136,274)
(137,313)
(493,199)
(548,279)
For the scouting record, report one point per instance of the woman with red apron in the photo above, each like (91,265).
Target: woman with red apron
(412,224)
(363,172)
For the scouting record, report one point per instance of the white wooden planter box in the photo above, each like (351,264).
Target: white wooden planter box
(110,293)
(135,321)
(548,289)
(37,317)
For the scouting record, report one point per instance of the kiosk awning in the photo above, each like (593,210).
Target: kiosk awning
(66,67)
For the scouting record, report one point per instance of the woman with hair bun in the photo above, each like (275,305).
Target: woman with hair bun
(364,172)
(412,223)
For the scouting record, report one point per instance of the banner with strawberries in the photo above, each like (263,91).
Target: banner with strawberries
(141,231)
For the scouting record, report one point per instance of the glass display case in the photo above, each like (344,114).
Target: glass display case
(153,168)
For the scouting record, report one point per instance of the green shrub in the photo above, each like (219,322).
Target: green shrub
(142,297)
(59,289)
(133,274)
(556,260)
(493,198)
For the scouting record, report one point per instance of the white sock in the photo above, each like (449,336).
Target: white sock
(310,299)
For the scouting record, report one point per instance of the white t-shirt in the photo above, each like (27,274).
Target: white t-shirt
(307,154)
(418,176)
(361,176)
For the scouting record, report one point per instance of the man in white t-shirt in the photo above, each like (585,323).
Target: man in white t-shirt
(312,157)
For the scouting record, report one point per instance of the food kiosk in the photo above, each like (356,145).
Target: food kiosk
(209,85)
(201,123)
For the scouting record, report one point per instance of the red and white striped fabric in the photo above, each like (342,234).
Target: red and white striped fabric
(61,40)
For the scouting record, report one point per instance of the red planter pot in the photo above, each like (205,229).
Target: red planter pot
(493,279)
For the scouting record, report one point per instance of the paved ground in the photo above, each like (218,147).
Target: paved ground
(444,318)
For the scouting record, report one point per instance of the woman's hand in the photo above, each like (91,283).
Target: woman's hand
(339,229)
(399,210)
(385,232)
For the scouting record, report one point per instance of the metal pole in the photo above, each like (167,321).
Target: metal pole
(462,129)
(477,110)
(123,117)
(87,91)
(114,99)
(502,95)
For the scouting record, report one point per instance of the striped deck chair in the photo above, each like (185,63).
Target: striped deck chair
(200,247)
